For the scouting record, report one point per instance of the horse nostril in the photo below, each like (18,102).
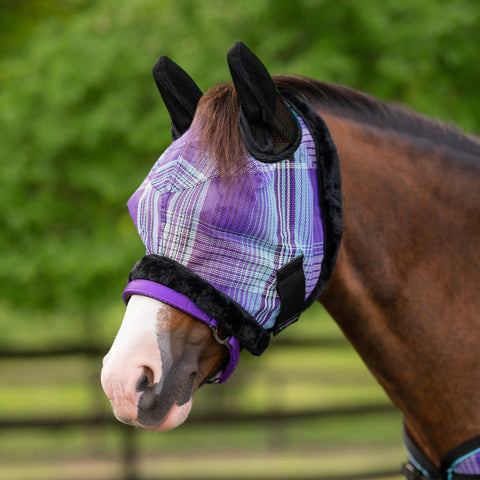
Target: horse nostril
(146,380)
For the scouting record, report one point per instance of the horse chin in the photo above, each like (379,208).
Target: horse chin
(175,417)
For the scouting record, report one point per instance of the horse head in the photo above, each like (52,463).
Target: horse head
(225,265)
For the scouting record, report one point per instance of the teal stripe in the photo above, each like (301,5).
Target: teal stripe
(451,470)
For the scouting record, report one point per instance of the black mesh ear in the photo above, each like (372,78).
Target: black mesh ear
(269,128)
(179,92)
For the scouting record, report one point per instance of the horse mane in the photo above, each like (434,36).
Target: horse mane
(216,119)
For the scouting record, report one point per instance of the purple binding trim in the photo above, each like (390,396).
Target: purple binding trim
(179,301)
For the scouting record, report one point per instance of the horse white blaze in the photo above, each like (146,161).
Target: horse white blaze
(135,353)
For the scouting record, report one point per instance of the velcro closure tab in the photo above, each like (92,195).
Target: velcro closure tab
(291,290)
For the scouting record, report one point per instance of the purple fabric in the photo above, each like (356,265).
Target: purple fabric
(469,464)
(182,303)
(237,233)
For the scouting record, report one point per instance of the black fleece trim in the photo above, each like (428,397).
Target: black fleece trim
(329,189)
(228,313)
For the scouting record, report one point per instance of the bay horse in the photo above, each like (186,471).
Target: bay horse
(384,206)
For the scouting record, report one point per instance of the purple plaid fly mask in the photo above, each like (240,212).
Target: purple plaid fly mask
(246,252)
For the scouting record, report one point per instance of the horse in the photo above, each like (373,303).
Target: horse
(387,240)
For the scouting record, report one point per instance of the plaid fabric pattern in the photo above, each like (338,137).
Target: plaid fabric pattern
(468,465)
(235,233)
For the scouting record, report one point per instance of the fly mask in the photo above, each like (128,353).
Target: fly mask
(252,251)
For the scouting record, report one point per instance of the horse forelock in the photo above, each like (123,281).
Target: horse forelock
(216,131)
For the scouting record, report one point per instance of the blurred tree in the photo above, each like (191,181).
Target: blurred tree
(81,122)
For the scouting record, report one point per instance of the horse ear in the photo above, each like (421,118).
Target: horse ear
(269,128)
(179,92)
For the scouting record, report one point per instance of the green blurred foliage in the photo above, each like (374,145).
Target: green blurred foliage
(81,121)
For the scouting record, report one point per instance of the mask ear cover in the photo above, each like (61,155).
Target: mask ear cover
(179,92)
(269,128)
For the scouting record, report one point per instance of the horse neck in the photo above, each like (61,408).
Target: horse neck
(403,290)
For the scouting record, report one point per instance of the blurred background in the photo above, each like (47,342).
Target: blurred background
(81,123)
